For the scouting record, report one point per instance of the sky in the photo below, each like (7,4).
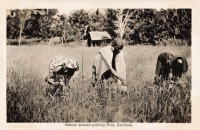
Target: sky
(67,11)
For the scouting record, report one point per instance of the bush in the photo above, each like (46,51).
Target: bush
(23,41)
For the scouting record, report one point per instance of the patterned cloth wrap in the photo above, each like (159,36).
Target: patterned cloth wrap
(60,60)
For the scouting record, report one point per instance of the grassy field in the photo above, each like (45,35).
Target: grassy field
(27,67)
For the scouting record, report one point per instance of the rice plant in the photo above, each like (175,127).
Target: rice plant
(27,67)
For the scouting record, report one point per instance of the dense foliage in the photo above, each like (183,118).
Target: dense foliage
(138,26)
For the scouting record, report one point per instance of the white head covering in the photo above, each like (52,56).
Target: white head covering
(70,63)
(60,60)
(180,61)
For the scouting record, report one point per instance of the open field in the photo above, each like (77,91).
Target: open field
(27,67)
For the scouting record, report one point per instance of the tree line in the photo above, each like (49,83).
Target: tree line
(138,26)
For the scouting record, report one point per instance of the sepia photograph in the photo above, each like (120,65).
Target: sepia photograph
(91,64)
(130,65)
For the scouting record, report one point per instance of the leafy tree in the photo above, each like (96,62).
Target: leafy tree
(12,25)
(97,21)
(19,18)
(123,17)
(23,15)
(78,20)
(47,23)
(109,25)
(183,29)
(139,26)
(31,28)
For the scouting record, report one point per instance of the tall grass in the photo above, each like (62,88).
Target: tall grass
(145,102)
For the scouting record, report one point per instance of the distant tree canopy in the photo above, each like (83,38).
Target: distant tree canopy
(138,26)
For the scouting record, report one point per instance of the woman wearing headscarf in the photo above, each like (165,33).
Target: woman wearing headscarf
(61,69)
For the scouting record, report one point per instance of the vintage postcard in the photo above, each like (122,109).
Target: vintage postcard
(99,64)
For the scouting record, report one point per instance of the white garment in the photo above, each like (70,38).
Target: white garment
(60,60)
(103,62)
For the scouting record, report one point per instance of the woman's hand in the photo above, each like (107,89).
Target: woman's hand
(124,83)
(119,77)
(56,83)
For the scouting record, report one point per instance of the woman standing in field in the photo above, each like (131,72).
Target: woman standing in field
(61,69)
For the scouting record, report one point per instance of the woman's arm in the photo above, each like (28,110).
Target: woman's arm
(50,76)
(115,73)
(119,76)
(49,79)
